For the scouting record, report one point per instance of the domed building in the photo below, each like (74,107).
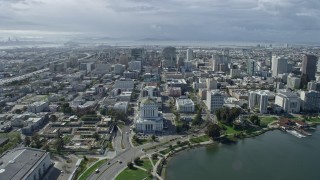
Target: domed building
(149,119)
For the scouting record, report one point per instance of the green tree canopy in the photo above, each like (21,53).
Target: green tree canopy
(213,130)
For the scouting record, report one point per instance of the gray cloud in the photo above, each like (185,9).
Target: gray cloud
(278,20)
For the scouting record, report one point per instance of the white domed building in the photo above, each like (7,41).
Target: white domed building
(149,119)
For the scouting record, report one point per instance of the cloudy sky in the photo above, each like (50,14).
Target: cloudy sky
(229,20)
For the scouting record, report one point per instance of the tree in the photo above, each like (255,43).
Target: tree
(66,108)
(136,139)
(130,165)
(59,143)
(244,106)
(46,147)
(153,137)
(198,117)
(137,161)
(18,111)
(96,136)
(36,143)
(27,141)
(53,118)
(218,114)
(255,120)
(154,156)
(213,131)
(227,115)
(85,158)
(103,111)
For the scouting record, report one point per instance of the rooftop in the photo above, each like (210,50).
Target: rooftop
(185,101)
(18,163)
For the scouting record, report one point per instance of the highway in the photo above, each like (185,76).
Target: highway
(22,77)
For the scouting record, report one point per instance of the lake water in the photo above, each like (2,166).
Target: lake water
(274,155)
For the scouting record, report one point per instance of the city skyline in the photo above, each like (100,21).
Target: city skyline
(232,20)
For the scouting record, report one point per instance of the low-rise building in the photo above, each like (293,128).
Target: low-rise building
(38,107)
(288,101)
(185,105)
(24,163)
(174,91)
(121,106)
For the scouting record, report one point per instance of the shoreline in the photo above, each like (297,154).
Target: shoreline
(175,152)
(170,155)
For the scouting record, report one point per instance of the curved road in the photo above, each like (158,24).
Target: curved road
(113,167)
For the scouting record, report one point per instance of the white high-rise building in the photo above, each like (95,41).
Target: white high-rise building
(215,100)
(279,65)
(258,99)
(189,54)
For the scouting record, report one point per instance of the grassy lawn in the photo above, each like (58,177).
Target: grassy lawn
(89,171)
(85,163)
(200,139)
(155,161)
(133,174)
(313,119)
(265,120)
(164,152)
(230,130)
(146,163)
(140,142)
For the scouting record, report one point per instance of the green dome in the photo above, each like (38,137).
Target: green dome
(148,100)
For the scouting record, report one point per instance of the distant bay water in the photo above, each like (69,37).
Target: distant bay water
(275,155)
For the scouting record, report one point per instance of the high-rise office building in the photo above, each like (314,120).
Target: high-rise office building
(309,68)
(279,65)
(189,54)
(169,55)
(137,54)
(251,66)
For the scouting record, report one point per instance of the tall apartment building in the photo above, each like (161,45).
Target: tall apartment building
(258,99)
(215,100)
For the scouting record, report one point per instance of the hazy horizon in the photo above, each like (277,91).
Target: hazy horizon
(203,20)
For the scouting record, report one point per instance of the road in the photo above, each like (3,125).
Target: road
(25,76)
(113,167)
